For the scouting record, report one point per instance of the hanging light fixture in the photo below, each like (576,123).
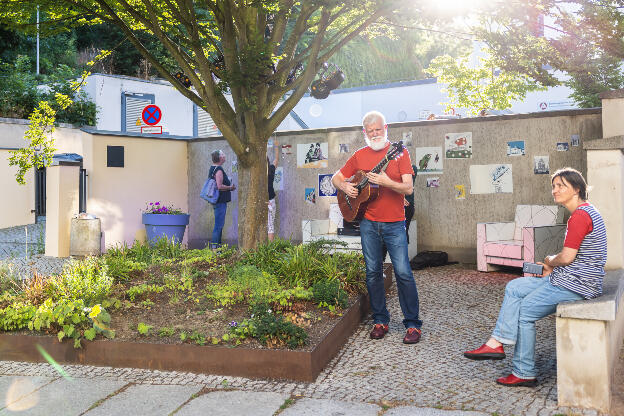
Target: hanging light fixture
(184,80)
(327,81)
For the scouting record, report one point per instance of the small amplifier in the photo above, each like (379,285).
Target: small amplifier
(348,231)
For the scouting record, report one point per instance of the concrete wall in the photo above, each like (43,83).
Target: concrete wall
(20,210)
(444,223)
(155,170)
(22,197)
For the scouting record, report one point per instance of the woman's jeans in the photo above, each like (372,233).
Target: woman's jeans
(527,299)
(219,214)
(374,234)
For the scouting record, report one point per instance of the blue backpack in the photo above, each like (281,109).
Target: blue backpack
(209,191)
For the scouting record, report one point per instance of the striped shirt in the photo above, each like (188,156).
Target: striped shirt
(584,275)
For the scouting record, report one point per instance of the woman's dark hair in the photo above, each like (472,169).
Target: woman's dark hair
(574,178)
(216,156)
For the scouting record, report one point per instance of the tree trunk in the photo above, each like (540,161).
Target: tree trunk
(253,196)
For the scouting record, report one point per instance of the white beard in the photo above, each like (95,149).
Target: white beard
(377,145)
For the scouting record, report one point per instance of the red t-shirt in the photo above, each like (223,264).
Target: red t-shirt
(388,206)
(579,225)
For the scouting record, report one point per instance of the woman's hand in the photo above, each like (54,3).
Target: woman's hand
(547,269)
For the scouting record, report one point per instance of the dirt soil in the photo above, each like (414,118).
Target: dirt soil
(213,321)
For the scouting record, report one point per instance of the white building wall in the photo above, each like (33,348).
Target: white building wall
(407,101)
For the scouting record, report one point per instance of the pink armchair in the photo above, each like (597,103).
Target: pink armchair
(536,232)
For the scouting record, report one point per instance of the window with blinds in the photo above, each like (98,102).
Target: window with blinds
(134,108)
(205,126)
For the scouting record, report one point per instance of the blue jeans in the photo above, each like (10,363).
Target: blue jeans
(527,300)
(374,234)
(219,214)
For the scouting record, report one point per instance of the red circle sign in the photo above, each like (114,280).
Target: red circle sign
(151,114)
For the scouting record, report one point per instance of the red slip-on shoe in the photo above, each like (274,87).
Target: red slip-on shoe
(412,336)
(513,381)
(379,331)
(486,353)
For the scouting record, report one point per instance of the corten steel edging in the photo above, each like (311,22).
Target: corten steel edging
(243,362)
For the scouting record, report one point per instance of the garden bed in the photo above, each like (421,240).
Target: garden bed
(302,365)
(192,310)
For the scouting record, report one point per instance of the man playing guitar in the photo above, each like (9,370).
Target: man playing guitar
(384,222)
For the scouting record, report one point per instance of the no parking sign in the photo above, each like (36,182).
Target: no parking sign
(151,115)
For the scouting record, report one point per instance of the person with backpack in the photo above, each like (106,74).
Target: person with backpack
(225,188)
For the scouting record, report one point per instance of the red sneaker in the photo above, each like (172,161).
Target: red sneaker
(513,381)
(486,353)
(379,331)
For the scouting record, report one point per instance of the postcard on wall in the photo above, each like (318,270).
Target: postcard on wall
(312,155)
(234,166)
(343,148)
(491,179)
(433,182)
(326,187)
(575,140)
(541,165)
(515,148)
(563,146)
(428,160)
(460,192)
(407,138)
(286,149)
(458,145)
(310,195)
(278,179)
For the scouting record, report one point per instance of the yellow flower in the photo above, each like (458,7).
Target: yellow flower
(95,311)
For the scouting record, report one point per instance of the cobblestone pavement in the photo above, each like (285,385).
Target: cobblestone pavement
(21,249)
(459,307)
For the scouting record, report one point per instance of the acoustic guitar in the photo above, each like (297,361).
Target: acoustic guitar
(353,209)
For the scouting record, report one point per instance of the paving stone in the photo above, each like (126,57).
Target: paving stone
(459,307)
(424,411)
(228,403)
(63,397)
(13,389)
(322,407)
(145,400)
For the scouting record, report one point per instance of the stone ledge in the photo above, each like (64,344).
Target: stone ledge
(619,93)
(603,308)
(608,143)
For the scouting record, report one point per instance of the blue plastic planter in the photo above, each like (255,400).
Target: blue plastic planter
(170,226)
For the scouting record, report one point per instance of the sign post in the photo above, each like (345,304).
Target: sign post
(151,115)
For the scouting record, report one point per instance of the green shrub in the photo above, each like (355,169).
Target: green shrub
(19,92)
(86,279)
(272,328)
(9,279)
(16,316)
(328,292)
(247,282)
(267,256)
(121,268)
(139,290)
(250,278)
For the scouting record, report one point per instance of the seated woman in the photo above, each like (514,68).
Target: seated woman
(573,274)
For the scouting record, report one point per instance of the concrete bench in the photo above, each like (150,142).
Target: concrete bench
(589,338)
(313,230)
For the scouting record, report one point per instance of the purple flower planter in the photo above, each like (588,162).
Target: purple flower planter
(170,226)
